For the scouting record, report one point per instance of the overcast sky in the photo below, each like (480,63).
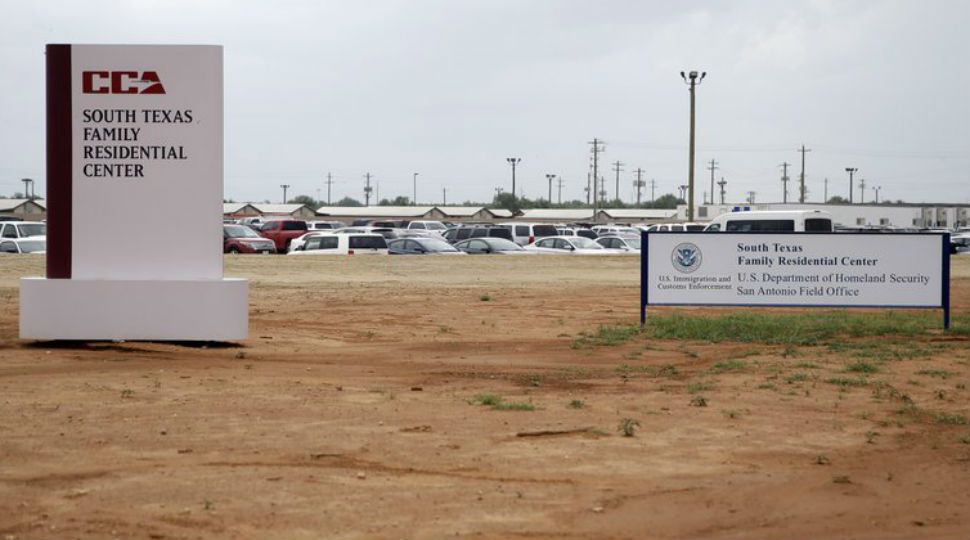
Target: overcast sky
(451,88)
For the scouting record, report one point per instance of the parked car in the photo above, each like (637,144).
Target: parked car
(421,246)
(604,230)
(959,242)
(22,229)
(568,245)
(464,233)
(343,244)
(32,244)
(578,231)
(627,244)
(528,233)
(436,226)
(676,227)
(491,246)
(772,221)
(282,231)
(242,239)
(324,225)
(387,232)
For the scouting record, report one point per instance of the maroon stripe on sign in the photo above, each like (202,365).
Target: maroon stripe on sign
(59,162)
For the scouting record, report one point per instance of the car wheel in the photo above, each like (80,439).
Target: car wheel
(234,250)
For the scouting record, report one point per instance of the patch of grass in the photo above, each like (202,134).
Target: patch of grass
(665,370)
(728,365)
(807,365)
(766,386)
(789,351)
(861,367)
(796,378)
(809,328)
(127,393)
(731,413)
(953,419)
(490,400)
(871,437)
(698,401)
(577,404)
(514,406)
(841,479)
(628,427)
(606,336)
(941,373)
(485,298)
(846,382)
(965,439)
(695,387)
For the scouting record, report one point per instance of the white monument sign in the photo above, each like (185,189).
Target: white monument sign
(134,184)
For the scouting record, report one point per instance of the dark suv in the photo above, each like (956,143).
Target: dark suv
(464,233)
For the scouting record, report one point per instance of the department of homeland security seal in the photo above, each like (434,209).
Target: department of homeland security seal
(686,257)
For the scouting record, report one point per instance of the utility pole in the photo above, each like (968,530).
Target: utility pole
(549,177)
(285,187)
(27,182)
(367,190)
(784,181)
(722,183)
(801,178)
(588,188)
(751,195)
(414,180)
(712,167)
(513,161)
(329,185)
(378,198)
(597,148)
(876,189)
(693,82)
(851,171)
(862,191)
(444,196)
(617,167)
(559,183)
(653,190)
(825,194)
(639,183)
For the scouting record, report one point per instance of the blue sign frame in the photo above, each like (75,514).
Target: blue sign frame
(944,274)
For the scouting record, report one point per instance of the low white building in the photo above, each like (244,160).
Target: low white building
(852,215)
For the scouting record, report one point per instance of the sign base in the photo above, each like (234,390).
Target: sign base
(156,310)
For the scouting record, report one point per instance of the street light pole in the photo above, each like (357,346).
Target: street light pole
(414,178)
(549,177)
(851,171)
(692,80)
(513,161)
(285,187)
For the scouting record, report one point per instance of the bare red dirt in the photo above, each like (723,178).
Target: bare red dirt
(351,413)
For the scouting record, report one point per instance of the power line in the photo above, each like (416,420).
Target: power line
(617,167)
(367,190)
(597,148)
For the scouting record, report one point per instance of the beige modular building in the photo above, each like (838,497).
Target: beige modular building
(25,209)
(853,215)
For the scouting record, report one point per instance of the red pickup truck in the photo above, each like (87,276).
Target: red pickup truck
(282,231)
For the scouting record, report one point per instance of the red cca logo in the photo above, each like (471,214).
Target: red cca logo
(121,82)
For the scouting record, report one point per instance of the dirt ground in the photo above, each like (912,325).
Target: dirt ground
(354,410)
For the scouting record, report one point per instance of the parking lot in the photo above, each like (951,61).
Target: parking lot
(425,397)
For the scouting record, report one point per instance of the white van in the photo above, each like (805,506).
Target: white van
(772,221)
(342,244)
(524,234)
(676,227)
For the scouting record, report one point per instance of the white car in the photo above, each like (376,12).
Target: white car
(343,244)
(430,226)
(297,242)
(569,245)
(31,244)
(603,230)
(627,244)
(22,229)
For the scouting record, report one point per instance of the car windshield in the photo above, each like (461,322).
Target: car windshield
(435,226)
(633,242)
(238,231)
(437,245)
(30,246)
(33,229)
(582,242)
(501,244)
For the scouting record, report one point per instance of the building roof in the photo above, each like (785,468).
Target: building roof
(232,208)
(639,213)
(279,208)
(7,205)
(460,211)
(375,211)
(564,214)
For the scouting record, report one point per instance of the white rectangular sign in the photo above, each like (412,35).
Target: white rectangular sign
(147,162)
(889,270)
